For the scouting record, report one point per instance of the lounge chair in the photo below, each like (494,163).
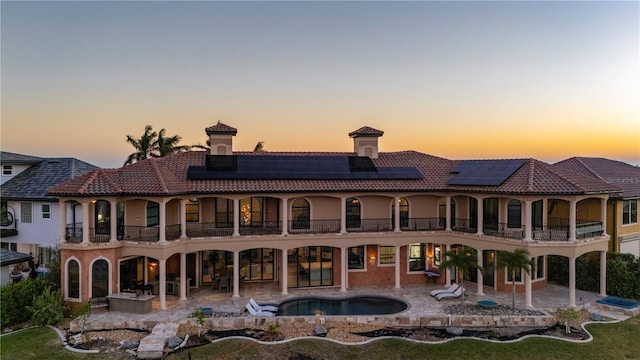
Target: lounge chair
(257,307)
(255,312)
(457,293)
(450,289)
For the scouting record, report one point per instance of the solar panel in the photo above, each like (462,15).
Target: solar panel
(484,172)
(293,167)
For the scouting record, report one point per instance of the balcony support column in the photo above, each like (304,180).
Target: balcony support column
(162,264)
(603,273)
(63,221)
(603,215)
(285,217)
(162,212)
(397,267)
(343,215)
(183,219)
(236,274)
(284,281)
(572,282)
(447,272)
(236,217)
(113,220)
(85,222)
(183,276)
(480,290)
(528,228)
(396,214)
(448,213)
(572,221)
(343,269)
(480,219)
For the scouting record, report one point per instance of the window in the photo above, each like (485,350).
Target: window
(353,213)
(629,212)
(26,212)
(356,257)
(417,255)
(46,211)
(73,279)
(514,211)
(442,212)
(224,213)
(7,170)
(403,204)
(251,211)
(102,210)
(437,254)
(300,214)
(510,275)
(153,213)
(387,255)
(9,246)
(193,211)
(539,270)
(100,278)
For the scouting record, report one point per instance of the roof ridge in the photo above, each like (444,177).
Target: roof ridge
(589,169)
(92,176)
(532,169)
(159,176)
(110,181)
(554,169)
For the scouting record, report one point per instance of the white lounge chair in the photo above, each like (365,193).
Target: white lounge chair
(255,312)
(457,293)
(450,289)
(257,307)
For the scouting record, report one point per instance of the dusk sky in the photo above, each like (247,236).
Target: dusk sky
(460,80)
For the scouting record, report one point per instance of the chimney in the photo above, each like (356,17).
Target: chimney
(365,141)
(221,139)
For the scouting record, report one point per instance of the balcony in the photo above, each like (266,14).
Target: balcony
(369,225)
(262,228)
(422,224)
(503,230)
(326,226)
(209,229)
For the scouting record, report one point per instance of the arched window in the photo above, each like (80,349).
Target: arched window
(100,278)
(102,214)
(353,213)
(403,204)
(514,211)
(300,214)
(73,279)
(153,213)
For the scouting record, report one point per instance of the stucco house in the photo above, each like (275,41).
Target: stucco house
(307,219)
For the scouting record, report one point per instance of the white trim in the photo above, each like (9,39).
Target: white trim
(42,212)
(394,257)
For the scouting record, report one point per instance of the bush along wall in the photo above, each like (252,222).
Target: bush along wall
(623,273)
(16,298)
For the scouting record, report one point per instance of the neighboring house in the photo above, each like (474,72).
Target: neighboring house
(308,219)
(11,262)
(622,208)
(30,217)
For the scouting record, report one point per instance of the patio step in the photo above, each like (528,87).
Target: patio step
(152,346)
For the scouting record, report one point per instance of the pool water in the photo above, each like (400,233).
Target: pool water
(365,305)
(619,302)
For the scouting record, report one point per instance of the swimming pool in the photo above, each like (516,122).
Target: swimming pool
(619,302)
(361,305)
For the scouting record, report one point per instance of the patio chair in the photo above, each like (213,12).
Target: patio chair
(255,312)
(257,307)
(225,284)
(456,294)
(450,289)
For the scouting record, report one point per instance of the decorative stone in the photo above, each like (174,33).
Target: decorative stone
(454,331)
(173,341)
(320,331)
(132,345)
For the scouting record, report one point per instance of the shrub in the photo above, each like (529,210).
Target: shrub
(47,308)
(15,298)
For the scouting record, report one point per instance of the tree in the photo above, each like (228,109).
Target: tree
(514,262)
(167,145)
(144,145)
(259,146)
(463,261)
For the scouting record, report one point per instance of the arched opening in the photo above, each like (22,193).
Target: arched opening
(100,278)
(73,279)
(300,214)
(403,207)
(353,213)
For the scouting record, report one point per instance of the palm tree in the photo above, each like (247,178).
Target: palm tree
(514,262)
(464,260)
(144,146)
(259,146)
(168,145)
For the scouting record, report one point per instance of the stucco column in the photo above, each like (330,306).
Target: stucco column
(285,217)
(448,213)
(183,219)
(162,264)
(527,288)
(85,223)
(447,272)
(572,282)
(480,290)
(63,221)
(528,228)
(397,267)
(236,217)
(163,221)
(396,214)
(183,276)
(343,269)
(113,220)
(603,215)
(343,216)
(480,220)
(236,274)
(572,220)
(285,273)
(603,273)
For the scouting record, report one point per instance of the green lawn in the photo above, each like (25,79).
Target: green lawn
(612,341)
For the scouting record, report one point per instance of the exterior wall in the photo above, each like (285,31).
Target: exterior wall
(173,212)
(503,285)
(324,208)
(85,258)
(375,207)
(135,212)
(40,232)
(207,210)
(627,236)
(462,206)
(588,209)
(423,206)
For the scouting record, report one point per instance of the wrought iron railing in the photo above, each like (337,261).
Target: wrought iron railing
(464,225)
(73,233)
(370,225)
(99,235)
(423,224)
(503,230)
(263,228)
(172,232)
(141,233)
(324,226)
(209,229)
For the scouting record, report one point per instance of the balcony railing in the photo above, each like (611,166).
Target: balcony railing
(98,235)
(325,226)
(423,224)
(463,225)
(73,233)
(172,232)
(263,228)
(370,225)
(503,230)
(209,229)
(141,233)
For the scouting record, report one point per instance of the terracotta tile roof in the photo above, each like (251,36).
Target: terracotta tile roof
(366,131)
(221,128)
(168,176)
(618,173)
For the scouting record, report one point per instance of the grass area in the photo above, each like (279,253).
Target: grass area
(611,341)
